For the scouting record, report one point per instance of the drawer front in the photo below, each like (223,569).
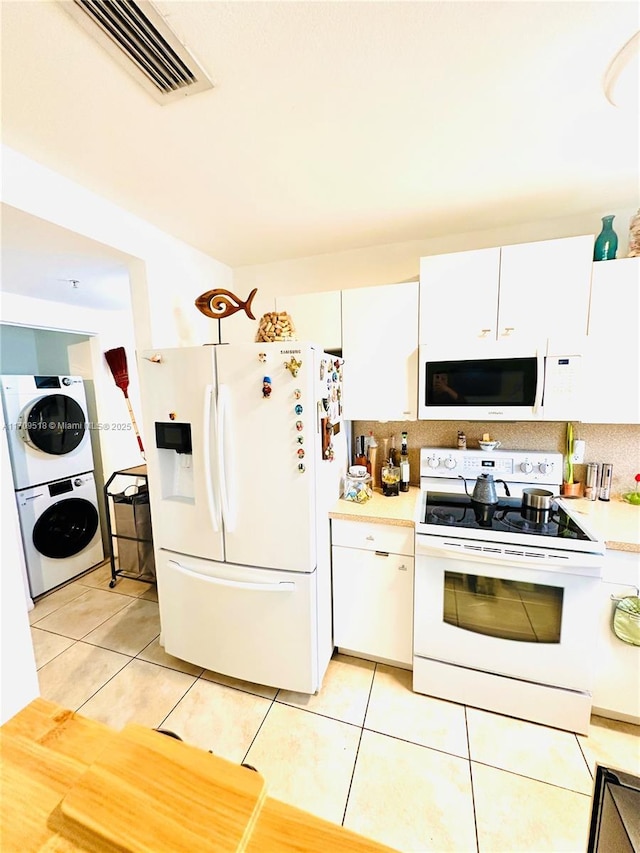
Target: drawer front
(373,537)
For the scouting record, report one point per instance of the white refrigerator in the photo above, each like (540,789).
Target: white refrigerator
(246,454)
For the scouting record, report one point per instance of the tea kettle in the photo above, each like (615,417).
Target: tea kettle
(484,491)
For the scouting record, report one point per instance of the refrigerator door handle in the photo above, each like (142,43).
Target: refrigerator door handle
(282,586)
(214,511)
(227,493)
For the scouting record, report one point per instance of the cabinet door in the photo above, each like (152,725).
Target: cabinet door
(544,292)
(373,603)
(459,297)
(316,317)
(611,362)
(616,688)
(380,350)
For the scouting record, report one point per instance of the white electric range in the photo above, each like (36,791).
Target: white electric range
(505,597)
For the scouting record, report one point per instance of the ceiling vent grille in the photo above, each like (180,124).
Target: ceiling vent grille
(140,40)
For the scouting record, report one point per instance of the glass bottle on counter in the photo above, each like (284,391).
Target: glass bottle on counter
(394,456)
(405,473)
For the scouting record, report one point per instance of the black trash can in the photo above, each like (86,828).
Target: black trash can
(133,533)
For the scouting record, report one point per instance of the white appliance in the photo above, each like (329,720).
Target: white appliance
(508,383)
(506,597)
(47,428)
(248,459)
(60,530)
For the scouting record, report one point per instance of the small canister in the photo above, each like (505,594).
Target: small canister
(592,481)
(462,440)
(605,482)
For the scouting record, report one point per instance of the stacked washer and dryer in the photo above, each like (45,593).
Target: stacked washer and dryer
(52,463)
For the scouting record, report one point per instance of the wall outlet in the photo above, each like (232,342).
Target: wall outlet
(578,451)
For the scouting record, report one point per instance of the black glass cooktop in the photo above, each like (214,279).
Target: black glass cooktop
(507,516)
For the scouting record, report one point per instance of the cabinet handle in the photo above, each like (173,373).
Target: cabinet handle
(382,553)
(507,331)
(484,332)
(402,568)
(369,538)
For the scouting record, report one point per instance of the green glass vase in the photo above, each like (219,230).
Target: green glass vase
(606,244)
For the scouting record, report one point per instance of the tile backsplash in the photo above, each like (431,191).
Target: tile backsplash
(618,444)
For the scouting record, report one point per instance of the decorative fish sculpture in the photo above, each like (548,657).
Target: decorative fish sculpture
(222,303)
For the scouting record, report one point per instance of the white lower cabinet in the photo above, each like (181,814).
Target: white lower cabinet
(373,590)
(616,690)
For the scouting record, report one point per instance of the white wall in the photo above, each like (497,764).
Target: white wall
(166,277)
(166,274)
(396,262)
(19,679)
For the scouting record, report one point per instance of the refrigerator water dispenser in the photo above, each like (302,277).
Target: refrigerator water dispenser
(173,441)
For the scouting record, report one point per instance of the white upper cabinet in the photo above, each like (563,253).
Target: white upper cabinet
(380,351)
(459,296)
(544,292)
(316,317)
(529,291)
(611,362)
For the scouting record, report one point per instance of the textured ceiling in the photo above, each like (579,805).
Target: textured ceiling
(335,125)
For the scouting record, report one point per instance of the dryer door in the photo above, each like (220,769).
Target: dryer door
(65,528)
(54,424)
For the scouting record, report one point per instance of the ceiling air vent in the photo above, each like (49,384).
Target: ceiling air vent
(139,39)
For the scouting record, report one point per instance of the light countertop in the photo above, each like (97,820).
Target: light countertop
(616,522)
(398,510)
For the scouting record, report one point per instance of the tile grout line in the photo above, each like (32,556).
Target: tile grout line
(473,795)
(582,752)
(111,677)
(95,628)
(184,695)
(533,779)
(253,739)
(355,760)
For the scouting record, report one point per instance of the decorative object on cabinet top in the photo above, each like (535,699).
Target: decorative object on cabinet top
(634,236)
(275,326)
(222,303)
(606,244)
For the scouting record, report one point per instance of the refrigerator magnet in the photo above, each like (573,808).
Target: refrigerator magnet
(266,386)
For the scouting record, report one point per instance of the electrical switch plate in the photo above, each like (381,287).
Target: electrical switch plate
(578,451)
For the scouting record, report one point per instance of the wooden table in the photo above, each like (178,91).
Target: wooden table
(72,785)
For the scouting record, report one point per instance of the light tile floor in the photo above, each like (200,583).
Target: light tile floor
(411,771)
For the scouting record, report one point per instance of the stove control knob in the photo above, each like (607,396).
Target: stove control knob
(433,462)
(526,467)
(545,467)
(450,462)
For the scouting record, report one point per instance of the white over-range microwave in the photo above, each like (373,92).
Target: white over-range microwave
(523,384)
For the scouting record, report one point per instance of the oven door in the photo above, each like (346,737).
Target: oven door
(517,619)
